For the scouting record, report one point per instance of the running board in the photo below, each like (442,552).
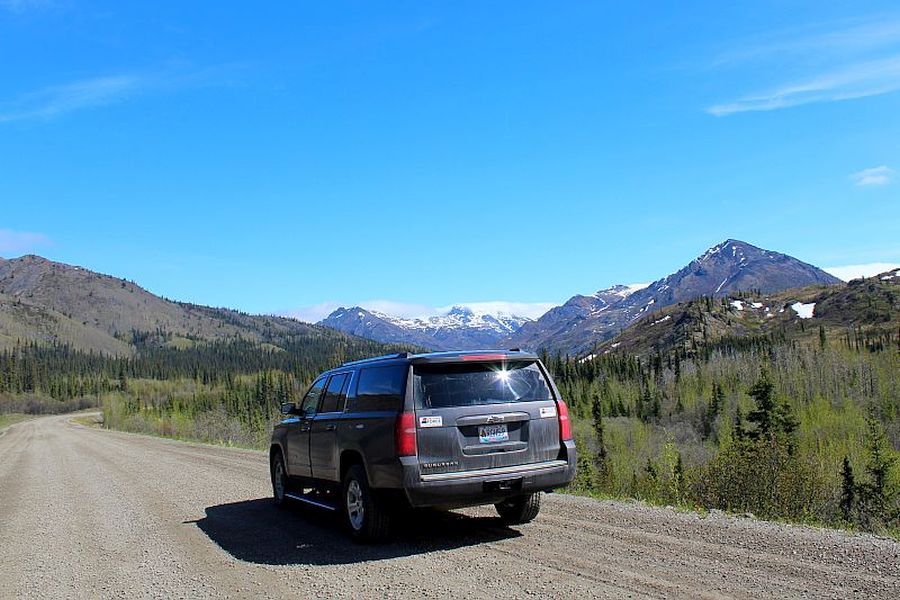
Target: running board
(309,500)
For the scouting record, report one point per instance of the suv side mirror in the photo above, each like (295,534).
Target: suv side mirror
(289,408)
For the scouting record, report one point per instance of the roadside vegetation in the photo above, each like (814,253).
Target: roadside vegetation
(10,418)
(219,392)
(783,430)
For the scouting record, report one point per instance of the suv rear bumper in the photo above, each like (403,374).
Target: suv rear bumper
(486,486)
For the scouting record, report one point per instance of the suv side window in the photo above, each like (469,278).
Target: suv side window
(311,400)
(333,400)
(379,389)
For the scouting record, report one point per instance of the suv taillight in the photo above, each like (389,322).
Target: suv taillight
(405,434)
(565,426)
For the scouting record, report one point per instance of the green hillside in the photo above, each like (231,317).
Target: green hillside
(71,338)
(790,413)
(25,322)
(53,303)
(864,311)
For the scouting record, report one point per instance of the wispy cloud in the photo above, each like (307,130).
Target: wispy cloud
(18,6)
(532,310)
(398,309)
(59,99)
(16,242)
(882,175)
(818,42)
(842,62)
(56,100)
(857,81)
(312,314)
(849,272)
(317,312)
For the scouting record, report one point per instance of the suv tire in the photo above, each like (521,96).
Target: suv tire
(519,509)
(365,518)
(279,480)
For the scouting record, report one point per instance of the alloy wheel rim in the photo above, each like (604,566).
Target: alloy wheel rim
(278,480)
(355,508)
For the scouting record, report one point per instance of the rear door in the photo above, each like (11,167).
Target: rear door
(482,414)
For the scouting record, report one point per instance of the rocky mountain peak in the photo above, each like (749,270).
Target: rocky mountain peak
(730,266)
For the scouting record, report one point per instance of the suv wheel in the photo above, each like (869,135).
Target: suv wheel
(365,518)
(279,479)
(519,509)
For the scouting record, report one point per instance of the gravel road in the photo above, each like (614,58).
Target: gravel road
(87,513)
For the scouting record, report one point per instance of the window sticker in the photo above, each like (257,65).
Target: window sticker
(431,422)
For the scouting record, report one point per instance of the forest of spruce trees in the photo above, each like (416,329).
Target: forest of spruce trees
(781,430)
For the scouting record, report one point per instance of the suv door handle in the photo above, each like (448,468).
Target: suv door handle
(330,427)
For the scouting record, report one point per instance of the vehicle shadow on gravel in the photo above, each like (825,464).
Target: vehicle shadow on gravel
(258,532)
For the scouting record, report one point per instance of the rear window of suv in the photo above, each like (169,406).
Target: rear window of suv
(472,384)
(379,389)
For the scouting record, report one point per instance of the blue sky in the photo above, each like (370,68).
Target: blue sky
(411,155)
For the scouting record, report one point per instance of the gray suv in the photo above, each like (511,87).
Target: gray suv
(443,430)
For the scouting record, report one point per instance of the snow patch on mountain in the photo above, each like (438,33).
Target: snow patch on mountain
(736,247)
(614,294)
(804,311)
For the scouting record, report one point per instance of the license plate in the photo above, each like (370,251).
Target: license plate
(489,434)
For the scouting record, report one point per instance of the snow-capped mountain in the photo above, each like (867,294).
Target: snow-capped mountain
(459,328)
(793,314)
(727,267)
(460,317)
(587,320)
(561,319)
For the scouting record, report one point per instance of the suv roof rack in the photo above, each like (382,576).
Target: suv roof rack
(377,358)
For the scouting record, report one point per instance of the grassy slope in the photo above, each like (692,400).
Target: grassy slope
(873,304)
(21,321)
(48,302)
(9,419)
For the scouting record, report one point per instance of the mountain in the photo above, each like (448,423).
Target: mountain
(363,323)
(461,328)
(732,266)
(560,320)
(864,310)
(21,321)
(49,302)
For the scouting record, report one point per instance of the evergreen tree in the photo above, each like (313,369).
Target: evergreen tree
(678,478)
(602,453)
(738,430)
(123,381)
(848,490)
(586,470)
(652,475)
(874,495)
(713,409)
(771,417)
(763,416)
